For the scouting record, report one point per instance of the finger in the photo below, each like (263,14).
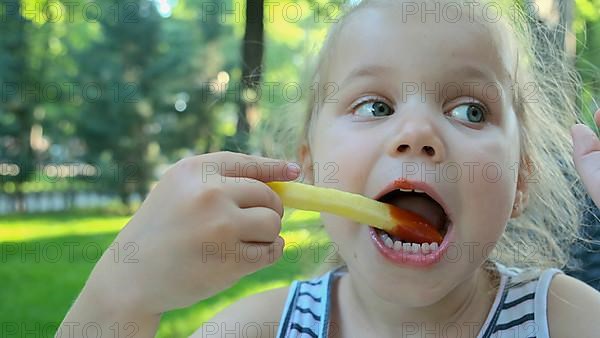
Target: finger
(597,117)
(261,225)
(249,193)
(584,141)
(256,167)
(254,256)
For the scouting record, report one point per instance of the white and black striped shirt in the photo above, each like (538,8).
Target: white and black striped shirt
(519,309)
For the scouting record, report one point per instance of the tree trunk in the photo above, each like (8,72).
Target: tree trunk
(252,59)
(557,16)
(16,74)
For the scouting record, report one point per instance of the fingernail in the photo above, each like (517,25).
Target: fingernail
(293,169)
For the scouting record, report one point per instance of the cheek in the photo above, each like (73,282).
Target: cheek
(344,235)
(488,200)
(343,159)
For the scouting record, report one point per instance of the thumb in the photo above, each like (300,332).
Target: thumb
(584,141)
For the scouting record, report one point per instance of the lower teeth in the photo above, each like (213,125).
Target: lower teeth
(407,247)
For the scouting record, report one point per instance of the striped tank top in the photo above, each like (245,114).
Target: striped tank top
(518,311)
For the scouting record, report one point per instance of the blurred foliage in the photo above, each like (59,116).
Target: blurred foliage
(118,84)
(586,26)
(132,86)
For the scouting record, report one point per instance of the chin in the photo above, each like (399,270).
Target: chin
(407,288)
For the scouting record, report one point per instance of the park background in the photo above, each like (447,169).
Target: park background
(99,98)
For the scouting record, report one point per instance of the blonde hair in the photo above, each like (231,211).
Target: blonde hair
(550,222)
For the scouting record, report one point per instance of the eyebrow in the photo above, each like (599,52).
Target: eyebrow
(367,71)
(502,78)
(464,71)
(470,71)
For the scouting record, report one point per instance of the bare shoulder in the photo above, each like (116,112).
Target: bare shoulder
(573,308)
(256,316)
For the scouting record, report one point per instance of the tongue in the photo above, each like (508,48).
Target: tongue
(422,205)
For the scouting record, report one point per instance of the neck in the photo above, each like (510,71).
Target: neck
(465,308)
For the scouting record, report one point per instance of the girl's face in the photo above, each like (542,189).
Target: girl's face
(430,103)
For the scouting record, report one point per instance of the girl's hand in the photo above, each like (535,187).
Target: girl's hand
(586,156)
(209,221)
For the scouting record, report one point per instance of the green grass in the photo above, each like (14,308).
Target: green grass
(45,260)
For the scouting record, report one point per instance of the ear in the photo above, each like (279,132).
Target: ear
(306,163)
(522,193)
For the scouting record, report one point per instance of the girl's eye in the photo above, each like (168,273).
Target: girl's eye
(470,112)
(373,108)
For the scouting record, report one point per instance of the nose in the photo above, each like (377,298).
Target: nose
(417,138)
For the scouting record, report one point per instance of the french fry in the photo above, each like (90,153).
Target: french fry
(396,221)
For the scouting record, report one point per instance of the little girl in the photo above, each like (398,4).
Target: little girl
(450,116)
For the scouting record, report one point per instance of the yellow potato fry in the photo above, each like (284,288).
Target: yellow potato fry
(361,209)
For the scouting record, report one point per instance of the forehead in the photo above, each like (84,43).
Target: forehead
(417,49)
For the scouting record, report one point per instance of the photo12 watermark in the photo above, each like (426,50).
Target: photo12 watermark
(52,252)
(332,12)
(69,92)
(330,92)
(53,11)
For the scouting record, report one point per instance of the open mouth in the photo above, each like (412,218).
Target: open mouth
(422,204)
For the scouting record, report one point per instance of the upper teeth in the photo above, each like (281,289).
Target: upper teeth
(411,190)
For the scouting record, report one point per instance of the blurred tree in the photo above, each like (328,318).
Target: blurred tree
(252,60)
(17,78)
(587,28)
(152,87)
(116,122)
(195,109)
